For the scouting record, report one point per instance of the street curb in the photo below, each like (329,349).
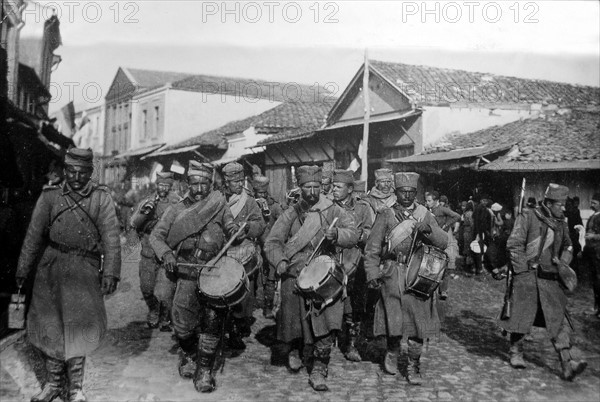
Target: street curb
(11,339)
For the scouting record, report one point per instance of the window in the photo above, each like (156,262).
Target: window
(144,124)
(156,121)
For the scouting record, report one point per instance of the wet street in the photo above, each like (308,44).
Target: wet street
(469,362)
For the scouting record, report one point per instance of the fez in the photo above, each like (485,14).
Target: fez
(305,174)
(199,169)
(164,178)
(384,174)
(80,157)
(557,192)
(233,171)
(406,179)
(261,183)
(343,176)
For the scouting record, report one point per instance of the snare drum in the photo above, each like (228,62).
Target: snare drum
(425,271)
(224,285)
(247,254)
(322,280)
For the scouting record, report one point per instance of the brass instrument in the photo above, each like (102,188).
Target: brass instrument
(149,206)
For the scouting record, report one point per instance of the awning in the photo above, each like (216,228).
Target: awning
(139,151)
(234,153)
(527,166)
(454,154)
(172,151)
(376,119)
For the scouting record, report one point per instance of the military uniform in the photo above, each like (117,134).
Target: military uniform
(292,240)
(352,260)
(446,218)
(398,313)
(70,232)
(194,231)
(536,245)
(244,210)
(377,199)
(156,285)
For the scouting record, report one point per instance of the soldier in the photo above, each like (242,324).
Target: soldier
(244,210)
(382,195)
(537,245)
(292,240)
(73,229)
(192,231)
(446,219)
(326,188)
(157,287)
(354,304)
(397,312)
(271,211)
(591,251)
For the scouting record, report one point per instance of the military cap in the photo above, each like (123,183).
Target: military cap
(384,174)
(343,176)
(199,169)
(165,177)
(557,192)
(406,179)
(233,171)
(325,180)
(261,183)
(79,157)
(305,174)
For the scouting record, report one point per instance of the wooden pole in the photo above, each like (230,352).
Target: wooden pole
(364,174)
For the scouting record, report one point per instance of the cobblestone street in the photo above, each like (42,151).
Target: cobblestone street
(468,362)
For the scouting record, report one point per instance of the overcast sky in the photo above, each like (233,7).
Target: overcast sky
(322,42)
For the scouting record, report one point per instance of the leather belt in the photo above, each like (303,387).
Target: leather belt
(550,276)
(63,248)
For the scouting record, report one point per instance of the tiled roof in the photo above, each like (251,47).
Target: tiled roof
(570,136)
(441,86)
(247,88)
(285,119)
(152,78)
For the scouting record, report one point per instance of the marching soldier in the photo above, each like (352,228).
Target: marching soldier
(397,312)
(73,228)
(244,210)
(292,240)
(157,288)
(354,304)
(271,211)
(538,244)
(192,231)
(382,194)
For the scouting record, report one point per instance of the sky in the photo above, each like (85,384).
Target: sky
(317,42)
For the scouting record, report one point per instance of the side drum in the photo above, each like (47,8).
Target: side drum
(225,284)
(322,280)
(425,271)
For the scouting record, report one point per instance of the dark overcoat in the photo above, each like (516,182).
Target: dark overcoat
(398,313)
(536,301)
(293,322)
(69,231)
(144,223)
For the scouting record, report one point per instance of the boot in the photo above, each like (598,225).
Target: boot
(204,381)
(54,381)
(352,335)
(390,362)
(75,372)
(187,356)
(318,375)
(164,319)
(153,311)
(235,340)
(294,361)
(413,371)
(570,367)
(516,351)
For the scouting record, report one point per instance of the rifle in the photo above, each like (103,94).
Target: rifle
(507,307)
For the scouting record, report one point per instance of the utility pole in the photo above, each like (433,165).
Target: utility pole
(364,174)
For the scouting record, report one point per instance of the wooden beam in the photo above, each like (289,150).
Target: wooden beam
(304,148)
(282,154)
(406,133)
(269,156)
(364,175)
(325,152)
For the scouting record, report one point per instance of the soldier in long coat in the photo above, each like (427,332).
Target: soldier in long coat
(382,195)
(398,313)
(271,211)
(157,287)
(193,231)
(289,245)
(537,245)
(245,249)
(73,228)
(352,258)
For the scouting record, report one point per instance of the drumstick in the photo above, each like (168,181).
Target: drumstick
(321,242)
